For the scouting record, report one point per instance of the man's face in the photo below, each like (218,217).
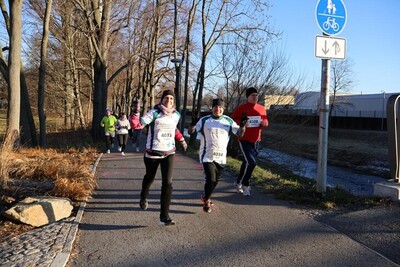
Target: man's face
(253,98)
(108,113)
(218,110)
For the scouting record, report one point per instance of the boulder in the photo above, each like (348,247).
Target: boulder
(39,211)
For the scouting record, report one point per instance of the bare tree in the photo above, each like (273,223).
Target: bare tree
(14,63)
(220,18)
(100,30)
(187,52)
(241,64)
(28,133)
(42,74)
(342,80)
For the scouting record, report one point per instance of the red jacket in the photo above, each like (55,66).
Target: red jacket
(256,113)
(134,120)
(178,135)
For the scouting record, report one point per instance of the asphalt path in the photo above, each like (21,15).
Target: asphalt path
(240,231)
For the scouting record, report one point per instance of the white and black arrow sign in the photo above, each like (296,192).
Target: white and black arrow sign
(330,48)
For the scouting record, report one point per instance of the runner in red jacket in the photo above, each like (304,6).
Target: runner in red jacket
(257,121)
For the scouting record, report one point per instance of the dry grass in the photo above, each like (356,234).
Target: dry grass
(6,159)
(69,170)
(64,170)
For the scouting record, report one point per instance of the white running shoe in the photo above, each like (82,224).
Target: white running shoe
(239,187)
(246,190)
(123,153)
(119,149)
(167,222)
(108,151)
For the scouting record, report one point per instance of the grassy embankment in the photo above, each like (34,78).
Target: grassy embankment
(302,191)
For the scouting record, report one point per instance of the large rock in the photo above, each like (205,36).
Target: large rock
(39,211)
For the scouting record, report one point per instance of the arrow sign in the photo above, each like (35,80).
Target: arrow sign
(330,48)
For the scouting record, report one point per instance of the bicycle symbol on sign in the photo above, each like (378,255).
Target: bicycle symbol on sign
(330,23)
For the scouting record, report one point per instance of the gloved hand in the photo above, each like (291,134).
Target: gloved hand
(194,121)
(243,119)
(184,145)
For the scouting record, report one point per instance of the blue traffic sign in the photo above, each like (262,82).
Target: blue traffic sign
(331,16)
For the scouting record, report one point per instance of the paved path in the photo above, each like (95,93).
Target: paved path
(240,231)
(255,231)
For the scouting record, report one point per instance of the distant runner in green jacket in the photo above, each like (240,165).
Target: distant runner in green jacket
(108,122)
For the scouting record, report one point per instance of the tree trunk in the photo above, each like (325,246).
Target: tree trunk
(14,63)
(99,98)
(28,134)
(69,63)
(42,74)
(186,52)
(24,115)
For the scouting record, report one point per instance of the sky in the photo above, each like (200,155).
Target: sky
(372,38)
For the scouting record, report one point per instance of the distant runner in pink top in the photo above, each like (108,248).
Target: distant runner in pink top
(136,126)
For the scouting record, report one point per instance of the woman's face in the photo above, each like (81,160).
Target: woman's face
(168,101)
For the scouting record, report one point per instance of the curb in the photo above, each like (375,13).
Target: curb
(61,259)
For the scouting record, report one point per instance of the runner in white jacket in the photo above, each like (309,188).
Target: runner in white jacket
(215,131)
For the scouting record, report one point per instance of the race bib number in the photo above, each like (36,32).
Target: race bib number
(254,121)
(218,155)
(165,134)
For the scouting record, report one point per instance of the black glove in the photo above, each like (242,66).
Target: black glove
(194,121)
(243,119)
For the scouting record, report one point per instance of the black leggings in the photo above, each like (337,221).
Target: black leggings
(213,172)
(109,141)
(122,140)
(167,166)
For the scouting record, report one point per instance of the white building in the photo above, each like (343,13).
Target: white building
(360,105)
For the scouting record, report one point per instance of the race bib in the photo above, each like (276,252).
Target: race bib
(218,155)
(165,134)
(254,121)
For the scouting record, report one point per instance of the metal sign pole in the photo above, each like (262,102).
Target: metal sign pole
(323,127)
(331,16)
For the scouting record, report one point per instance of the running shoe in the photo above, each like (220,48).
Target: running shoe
(207,206)
(203,199)
(123,153)
(108,151)
(239,187)
(143,204)
(246,190)
(167,222)
(119,149)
